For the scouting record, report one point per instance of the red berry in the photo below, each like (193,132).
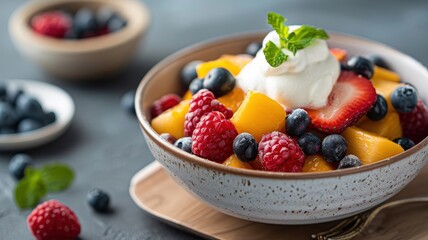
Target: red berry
(52,220)
(202,103)
(55,24)
(279,152)
(415,123)
(164,103)
(213,137)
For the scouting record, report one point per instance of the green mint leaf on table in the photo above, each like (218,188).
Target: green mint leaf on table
(274,56)
(30,189)
(299,39)
(56,176)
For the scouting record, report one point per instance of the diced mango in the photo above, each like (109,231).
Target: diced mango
(172,120)
(233,63)
(187,95)
(385,88)
(233,161)
(388,127)
(338,53)
(258,115)
(368,146)
(233,99)
(385,74)
(316,163)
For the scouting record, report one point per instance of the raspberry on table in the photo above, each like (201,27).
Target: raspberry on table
(202,103)
(279,152)
(164,103)
(213,137)
(53,220)
(55,24)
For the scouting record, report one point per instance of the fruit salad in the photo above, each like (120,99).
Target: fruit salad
(292,104)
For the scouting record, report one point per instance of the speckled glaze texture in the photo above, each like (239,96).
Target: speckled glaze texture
(294,201)
(281,198)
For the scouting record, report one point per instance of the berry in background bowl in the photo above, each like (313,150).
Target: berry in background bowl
(356,164)
(79,40)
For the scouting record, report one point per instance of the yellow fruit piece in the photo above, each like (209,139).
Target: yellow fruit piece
(233,63)
(187,95)
(258,115)
(233,99)
(385,88)
(388,127)
(369,147)
(316,163)
(233,161)
(172,120)
(385,74)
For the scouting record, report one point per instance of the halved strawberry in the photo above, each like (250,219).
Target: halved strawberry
(415,123)
(352,96)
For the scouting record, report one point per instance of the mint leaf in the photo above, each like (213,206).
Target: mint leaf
(274,56)
(56,176)
(277,23)
(304,37)
(30,189)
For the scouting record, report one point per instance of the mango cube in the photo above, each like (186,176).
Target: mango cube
(316,163)
(172,120)
(233,99)
(233,161)
(388,127)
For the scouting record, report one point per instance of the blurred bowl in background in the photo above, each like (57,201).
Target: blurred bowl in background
(81,59)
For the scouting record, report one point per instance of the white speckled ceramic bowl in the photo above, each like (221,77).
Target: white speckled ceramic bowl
(281,198)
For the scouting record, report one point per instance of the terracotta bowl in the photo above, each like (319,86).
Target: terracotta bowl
(83,59)
(280,198)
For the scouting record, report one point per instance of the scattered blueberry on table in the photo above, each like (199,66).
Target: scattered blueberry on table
(98,199)
(127,102)
(18,164)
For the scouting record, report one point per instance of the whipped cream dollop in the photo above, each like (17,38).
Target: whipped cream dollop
(305,80)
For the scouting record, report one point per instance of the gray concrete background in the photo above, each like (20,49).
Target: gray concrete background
(105,146)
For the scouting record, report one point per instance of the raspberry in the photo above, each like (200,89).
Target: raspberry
(164,103)
(415,123)
(55,24)
(202,103)
(213,137)
(53,220)
(279,152)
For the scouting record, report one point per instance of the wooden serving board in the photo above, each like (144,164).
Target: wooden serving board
(155,191)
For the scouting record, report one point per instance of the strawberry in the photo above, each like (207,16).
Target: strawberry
(352,97)
(53,220)
(415,123)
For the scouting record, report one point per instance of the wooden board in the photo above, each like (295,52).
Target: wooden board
(154,191)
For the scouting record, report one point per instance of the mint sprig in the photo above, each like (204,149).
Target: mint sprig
(294,41)
(38,182)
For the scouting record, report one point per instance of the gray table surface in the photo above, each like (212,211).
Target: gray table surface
(105,146)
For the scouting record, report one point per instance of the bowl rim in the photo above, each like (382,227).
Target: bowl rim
(171,149)
(137,24)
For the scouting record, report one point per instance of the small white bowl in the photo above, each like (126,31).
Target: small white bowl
(272,197)
(53,99)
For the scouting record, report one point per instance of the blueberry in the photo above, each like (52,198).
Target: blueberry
(116,23)
(8,117)
(13,96)
(245,147)
(404,99)
(378,110)
(98,200)
(188,73)
(185,144)
(333,148)
(253,48)
(127,102)
(103,16)
(29,107)
(219,81)
(309,143)
(378,61)
(28,125)
(297,122)
(196,85)
(168,137)
(18,164)
(344,67)
(349,161)
(361,66)
(7,130)
(49,118)
(405,143)
(85,23)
